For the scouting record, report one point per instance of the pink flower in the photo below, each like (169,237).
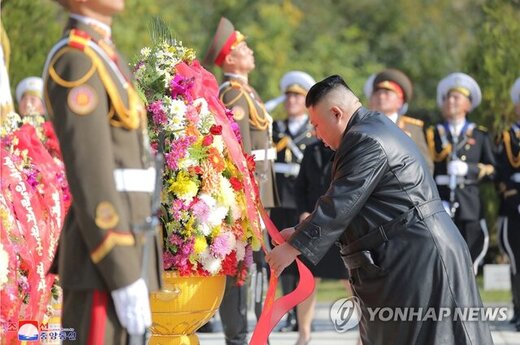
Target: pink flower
(158,115)
(180,85)
(200,210)
(221,246)
(178,150)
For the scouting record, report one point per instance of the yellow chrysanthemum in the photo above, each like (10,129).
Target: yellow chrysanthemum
(200,244)
(216,231)
(183,187)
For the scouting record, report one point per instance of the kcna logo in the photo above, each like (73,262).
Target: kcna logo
(345,313)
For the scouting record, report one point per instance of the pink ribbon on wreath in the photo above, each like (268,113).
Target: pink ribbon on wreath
(206,86)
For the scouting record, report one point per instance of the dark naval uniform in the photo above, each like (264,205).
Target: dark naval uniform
(508,181)
(289,149)
(399,244)
(101,125)
(474,148)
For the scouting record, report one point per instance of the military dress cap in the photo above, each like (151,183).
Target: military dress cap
(393,80)
(294,81)
(462,83)
(515,92)
(225,40)
(32,85)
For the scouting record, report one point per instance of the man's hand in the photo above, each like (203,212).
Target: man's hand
(133,307)
(286,234)
(457,168)
(281,256)
(303,216)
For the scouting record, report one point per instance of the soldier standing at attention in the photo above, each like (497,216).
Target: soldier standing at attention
(463,157)
(101,125)
(508,181)
(291,136)
(230,52)
(390,92)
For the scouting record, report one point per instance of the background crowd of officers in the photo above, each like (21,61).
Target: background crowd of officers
(293,167)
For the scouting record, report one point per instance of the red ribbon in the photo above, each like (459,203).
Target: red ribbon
(275,309)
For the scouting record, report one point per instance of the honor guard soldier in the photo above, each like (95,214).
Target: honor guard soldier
(230,52)
(508,181)
(463,157)
(390,92)
(290,136)
(100,122)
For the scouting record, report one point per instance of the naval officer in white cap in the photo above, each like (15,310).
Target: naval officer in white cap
(463,158)
(29,96)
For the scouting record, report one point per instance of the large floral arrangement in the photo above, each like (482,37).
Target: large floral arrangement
(34,198)
(209,195)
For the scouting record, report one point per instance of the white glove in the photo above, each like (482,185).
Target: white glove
(457,168)
(133,307)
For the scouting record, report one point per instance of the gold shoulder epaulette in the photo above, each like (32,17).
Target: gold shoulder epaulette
(482,128)
(62,80)
(228,87)
(235,84)
(413,121)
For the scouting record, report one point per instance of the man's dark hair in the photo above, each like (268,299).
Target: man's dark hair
(322,88)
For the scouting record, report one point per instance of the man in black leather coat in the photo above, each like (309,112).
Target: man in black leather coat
(401,247)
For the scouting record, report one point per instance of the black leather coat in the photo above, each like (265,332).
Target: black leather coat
(401,247)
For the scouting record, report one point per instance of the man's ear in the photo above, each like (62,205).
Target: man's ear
(229,59)
(337,112)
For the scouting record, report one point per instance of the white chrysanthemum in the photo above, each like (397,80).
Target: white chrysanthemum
(218,143)
(226,195)
(145,52)
(205,229)
(176,111)
(185,163)
(217,212)
(236,211)
(240,249)
(217,215)
(4,264)
(209,262)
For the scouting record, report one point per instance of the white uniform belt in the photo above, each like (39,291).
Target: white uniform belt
(287,168)
(515,177)
(135,180)
(260,155)
(444,180)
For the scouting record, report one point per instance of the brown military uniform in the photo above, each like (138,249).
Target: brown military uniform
(255,127)
(414,129)
(100,123)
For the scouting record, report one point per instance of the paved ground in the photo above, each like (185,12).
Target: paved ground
(324,334)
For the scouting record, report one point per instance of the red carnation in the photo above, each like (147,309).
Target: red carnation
(216,130)
(236,183)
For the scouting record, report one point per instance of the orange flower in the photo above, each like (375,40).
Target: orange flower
(216,159)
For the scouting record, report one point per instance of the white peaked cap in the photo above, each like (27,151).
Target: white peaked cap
(459,80)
